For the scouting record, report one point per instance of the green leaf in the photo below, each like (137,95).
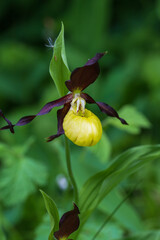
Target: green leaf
(53,213)
(20,178)
(58,69)
(102,149)
(126,214)
(135,119)
(99,185)
(112,231)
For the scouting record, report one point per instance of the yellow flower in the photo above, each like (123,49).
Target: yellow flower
(80,125)
(83,129)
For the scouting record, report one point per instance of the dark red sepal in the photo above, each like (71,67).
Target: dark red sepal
(9,126)
(46,109)
(59,102)
(68,224)
(104,107)
(82,77)
(61,113)
(52,137)
(25,120)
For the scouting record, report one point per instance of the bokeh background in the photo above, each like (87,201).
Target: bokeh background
(129,81)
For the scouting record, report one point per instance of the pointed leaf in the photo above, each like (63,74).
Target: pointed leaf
(53,213)
(58,69)
(99,185)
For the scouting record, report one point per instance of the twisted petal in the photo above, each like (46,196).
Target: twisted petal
(82,77)
(46,109)
(9,126)
(60,116)
(68,224)
(103,107)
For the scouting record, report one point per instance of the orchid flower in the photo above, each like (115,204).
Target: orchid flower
(80,125)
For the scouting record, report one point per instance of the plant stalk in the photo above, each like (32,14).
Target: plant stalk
(114,211)
(69,168)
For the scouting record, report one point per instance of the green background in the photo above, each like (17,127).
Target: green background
(129,82)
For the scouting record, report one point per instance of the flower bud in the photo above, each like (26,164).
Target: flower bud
(83,127)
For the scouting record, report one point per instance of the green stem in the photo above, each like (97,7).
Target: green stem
(114,211)
(70,173)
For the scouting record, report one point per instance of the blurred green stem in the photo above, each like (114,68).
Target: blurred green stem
(69,168)
(115,210)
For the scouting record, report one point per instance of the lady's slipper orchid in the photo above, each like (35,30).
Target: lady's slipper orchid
(68,224)
(80,125)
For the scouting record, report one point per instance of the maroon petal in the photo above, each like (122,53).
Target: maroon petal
(9,126)
(25,120)
(61,101)
(52,137)
(82,77)
(61,113)
(68,224)
(104,107)
(46,109)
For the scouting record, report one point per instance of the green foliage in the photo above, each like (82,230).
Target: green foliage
(129,30)
(2,236)
(112,231)
(20,175)
(102,149)
(126,214)
(99,185)
(149,235)
(58,67)
(53,213)
(22,68)
(134,118)
(43,229)
(151,71)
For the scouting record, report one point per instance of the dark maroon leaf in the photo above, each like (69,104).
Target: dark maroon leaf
(9,126)
(103,107)
(68,224)
(82,77)
(60,116)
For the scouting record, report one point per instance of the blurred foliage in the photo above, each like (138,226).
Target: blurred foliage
(129,81)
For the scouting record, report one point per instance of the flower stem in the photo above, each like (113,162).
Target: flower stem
(69,168)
